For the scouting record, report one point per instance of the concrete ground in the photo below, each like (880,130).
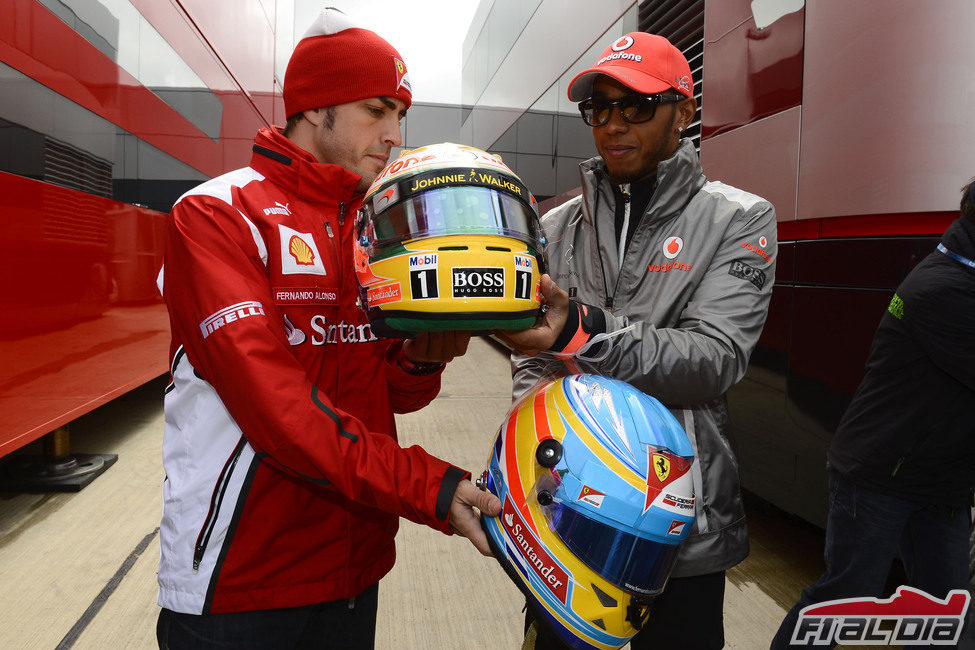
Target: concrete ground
(77,570)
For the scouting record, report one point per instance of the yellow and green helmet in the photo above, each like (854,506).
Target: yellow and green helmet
(448,238)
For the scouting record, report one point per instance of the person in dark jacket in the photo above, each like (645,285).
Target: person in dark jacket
(902,463)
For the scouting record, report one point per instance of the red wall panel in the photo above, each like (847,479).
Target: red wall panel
(749,73)
(82,320)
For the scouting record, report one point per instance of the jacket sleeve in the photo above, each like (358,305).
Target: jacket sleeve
(942,318)
(215,265)
(408,392)
(528,372)
(706,351)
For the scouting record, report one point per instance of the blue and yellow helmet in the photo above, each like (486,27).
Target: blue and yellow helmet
(597,496)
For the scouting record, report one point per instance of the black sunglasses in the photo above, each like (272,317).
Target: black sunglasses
(634,108)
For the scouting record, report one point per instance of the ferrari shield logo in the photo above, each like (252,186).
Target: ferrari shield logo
(402,76)
(665,469)
(661,466)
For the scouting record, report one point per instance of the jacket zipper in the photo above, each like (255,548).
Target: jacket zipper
(337,256)
(608,303)
(611,299)
(216,499)
(339,252)
(341,262)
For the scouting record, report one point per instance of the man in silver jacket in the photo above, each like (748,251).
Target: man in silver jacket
(660,278)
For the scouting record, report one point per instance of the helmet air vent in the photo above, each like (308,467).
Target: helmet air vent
(604,599)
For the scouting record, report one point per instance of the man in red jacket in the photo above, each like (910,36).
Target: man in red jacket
(284,481)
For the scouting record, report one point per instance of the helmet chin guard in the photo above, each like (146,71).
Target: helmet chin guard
(597,496)
(448,238)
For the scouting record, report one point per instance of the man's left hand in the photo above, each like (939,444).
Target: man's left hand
(436,347)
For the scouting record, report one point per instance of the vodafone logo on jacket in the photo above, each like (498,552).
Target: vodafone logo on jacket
(299,253)
(672,247)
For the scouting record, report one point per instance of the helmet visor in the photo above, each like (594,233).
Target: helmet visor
(632,563)
(455,211)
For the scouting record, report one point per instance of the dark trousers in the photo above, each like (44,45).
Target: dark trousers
(865,530)
(688,614)
(338,625)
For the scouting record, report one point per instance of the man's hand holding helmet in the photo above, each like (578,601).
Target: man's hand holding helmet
(541,337)
(565,327)
(436,347)
(465,521)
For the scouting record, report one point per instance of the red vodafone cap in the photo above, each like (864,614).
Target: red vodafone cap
(337,62)
(643,62)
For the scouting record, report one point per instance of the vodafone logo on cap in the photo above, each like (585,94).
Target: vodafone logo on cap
(624,43)
(672,247)
(762,241)
(618,54)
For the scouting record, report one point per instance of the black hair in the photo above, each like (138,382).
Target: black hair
(294,119)
(968,201)
(292,124)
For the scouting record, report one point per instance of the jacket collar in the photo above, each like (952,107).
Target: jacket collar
(959,238)
(291,167)
(678,179)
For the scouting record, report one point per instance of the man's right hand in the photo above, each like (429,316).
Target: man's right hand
(542,336)
(463,518)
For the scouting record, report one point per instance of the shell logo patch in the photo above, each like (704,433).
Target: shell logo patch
(299,253)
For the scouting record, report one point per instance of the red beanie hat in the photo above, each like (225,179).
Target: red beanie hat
(337,62)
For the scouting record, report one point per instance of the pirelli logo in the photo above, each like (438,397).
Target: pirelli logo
(230,314)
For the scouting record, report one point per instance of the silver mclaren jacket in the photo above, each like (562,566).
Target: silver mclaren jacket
(683,313)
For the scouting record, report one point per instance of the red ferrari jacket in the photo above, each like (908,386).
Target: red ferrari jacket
(284,481)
